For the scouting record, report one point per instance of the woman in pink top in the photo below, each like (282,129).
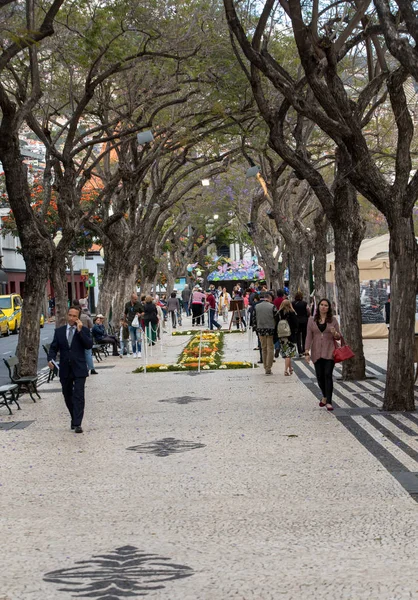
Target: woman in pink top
(198,306)
(323,329)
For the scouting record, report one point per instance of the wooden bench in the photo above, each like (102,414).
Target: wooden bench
(24,384)
(7,396)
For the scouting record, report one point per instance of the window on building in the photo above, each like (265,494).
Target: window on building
(224,251)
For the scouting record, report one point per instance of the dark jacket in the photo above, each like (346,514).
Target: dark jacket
(387,312)
(301,308)
(292,319)
(150,313)
(185,295)
(132,309)
(98,332)
(173,304)
(72,360)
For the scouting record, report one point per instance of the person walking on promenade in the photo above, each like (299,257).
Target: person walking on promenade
(211,306)
(185,296)
(323,329)
(150,320)
(253,324)
(288,343)
(223,304)
(123,337)
(198,300)
(237,296)
(71,341)
(100,335)
(387,311)
(279,299)
(133,314)
(173,308)
(85,318)
(265,319)
(303,313)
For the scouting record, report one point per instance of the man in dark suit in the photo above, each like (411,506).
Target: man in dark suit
(71,341)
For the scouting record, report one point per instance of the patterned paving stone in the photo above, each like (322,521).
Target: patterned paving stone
(165,447)
(184,400)
(125,572)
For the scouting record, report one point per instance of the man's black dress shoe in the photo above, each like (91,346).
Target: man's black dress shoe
(78,429)
(72,426)
(94,372)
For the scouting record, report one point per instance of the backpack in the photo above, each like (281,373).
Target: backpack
(283,329)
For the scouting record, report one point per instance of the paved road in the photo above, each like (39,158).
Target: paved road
(8,348)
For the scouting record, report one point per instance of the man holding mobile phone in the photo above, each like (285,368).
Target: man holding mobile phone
(71,341)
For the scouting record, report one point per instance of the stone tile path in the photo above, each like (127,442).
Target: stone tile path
(225,485)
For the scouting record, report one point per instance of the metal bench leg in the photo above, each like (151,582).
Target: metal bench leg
(35,387)
(29,390)
(4,401)
(14,399)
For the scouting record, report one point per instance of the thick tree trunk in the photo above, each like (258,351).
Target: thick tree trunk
(299,250)
(59,281)
(127,285)
(399,392)
(170,282)
(148,272)
(36,249)
(320,256)
(110,281)
(35,283)
(72,279)
(349,231)
(147,285)
(280,274)
(275,279)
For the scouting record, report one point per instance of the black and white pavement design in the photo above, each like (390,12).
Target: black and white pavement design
(392,437)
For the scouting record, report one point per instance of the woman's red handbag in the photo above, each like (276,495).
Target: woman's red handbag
(342,352)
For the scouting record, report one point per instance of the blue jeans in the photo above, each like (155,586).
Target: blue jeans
(124,347)
(135,333)
(212,321)
(89,359)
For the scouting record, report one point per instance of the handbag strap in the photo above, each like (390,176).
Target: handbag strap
(341,340)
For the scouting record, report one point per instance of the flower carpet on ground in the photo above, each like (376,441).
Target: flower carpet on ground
(193,332)
(206,344)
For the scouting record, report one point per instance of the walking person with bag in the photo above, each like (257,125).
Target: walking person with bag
(323,330)
(134,311)
(287,330)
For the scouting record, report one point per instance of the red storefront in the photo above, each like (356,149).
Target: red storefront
(16,285)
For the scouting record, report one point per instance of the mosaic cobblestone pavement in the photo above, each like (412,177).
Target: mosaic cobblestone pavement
(269,497)
(391,437)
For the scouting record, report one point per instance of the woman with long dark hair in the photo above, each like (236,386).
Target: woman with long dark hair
(323,329)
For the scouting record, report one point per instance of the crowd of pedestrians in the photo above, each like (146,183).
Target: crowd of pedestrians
(283,328)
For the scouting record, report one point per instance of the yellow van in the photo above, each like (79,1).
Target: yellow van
(11,305)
